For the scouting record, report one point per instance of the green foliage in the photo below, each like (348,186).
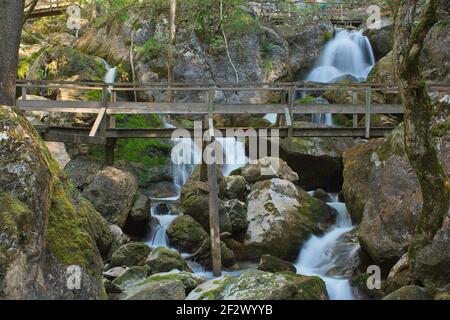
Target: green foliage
(152,48)
(306,100)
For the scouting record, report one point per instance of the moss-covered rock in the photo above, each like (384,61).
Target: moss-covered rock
(138,221)
(409,293)
(131,276)
(259,285)
(273,264)
(155,290)
(163,259)
(281,216)
(237,211)
(46,226)
(236,187)
(186,234)
(130,254)
(190,280)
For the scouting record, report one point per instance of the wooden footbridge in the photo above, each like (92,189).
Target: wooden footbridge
(47,8)
(104,130)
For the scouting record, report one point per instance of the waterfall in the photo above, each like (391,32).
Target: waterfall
(110,75)
(348,55)
(315,258)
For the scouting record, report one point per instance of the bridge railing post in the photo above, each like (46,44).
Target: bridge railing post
(354,95)
(368,111)
(24,92)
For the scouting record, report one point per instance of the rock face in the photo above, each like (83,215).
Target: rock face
(130,254)
(268,168)
(431,266)
(45,226)
(348,257)
(280,216)
(112,193)
(259,285)
(186,234)
(381,39)
(318,161)
(383,194)
(273,264)
(81,170)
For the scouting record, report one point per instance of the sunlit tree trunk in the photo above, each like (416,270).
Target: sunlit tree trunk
(171,51)
(409,35)
(10,32)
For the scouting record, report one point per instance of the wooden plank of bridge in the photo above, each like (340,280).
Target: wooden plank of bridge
(216,253)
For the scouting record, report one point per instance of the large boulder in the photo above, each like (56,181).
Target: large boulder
(130,254)
(383,195)
(433,261)
(163,259)
(318,161)
(399,276)
(138,221)
(186,234)
(82,171)
(45,226)
(409,293)
(266,169)
(381,39)
(155,290)
(112,192)
(259,285)
(281,216)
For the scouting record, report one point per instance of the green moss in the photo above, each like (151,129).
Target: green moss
(66,236)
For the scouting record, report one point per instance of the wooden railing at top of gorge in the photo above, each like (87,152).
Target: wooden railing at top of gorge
(287,105)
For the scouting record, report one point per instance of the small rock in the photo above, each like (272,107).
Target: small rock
(322,195)
(409,293)
(163,259)
(236,187)
(114,273)
(186,234)
(131,276)
(268,168)
(138,221)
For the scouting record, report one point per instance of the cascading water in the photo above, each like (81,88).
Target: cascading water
(316,256)
(348,55)
(110,75)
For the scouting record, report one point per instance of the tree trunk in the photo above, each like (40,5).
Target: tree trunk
(10,32)
(171,51)
(419,145)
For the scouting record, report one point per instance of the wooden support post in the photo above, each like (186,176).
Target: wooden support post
(354,102)
(109,151)
(216,254)
(112,118)
(368,111)
(24,93)
(290,111)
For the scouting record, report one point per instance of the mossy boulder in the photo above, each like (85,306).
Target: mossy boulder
(409,293)
(259,285)
(163,259)
(45,226)
(81,170)
(322,195)
(131,276)
(266,169)
(112,192)
(236,187)
(237,211)
(155,290)
(130,254)
(186,234)
(273,264)
(281,216)
(399,276)
(190,280)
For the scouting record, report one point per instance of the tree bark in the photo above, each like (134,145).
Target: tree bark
(409,38)
(10,32)
(171,51)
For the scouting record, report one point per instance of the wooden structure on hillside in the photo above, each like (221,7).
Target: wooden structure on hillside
(104,129)
(47,8)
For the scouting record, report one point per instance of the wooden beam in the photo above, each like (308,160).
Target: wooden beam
(59,106)
(97,122)
(216,254)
